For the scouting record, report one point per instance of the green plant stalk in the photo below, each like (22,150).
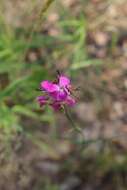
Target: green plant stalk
(43,11)
(45,8)
(73,124)
(41,15)
(76,129)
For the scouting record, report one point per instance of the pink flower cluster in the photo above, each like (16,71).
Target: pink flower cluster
(56,94)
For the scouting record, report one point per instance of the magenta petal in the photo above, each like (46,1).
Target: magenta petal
(54,95)
(59,95)
(64,81)
(56,106)
(62,95)
(49,86)
(70,101)
(42,100)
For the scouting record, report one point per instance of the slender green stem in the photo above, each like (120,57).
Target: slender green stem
(39,22)
(45,8)
(76,129)
(73,124)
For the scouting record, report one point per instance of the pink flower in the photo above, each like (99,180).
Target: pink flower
(57,94)
(42,100)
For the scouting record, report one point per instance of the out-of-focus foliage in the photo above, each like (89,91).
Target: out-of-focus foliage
(19,79)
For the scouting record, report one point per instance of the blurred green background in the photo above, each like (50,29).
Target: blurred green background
(86,40)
